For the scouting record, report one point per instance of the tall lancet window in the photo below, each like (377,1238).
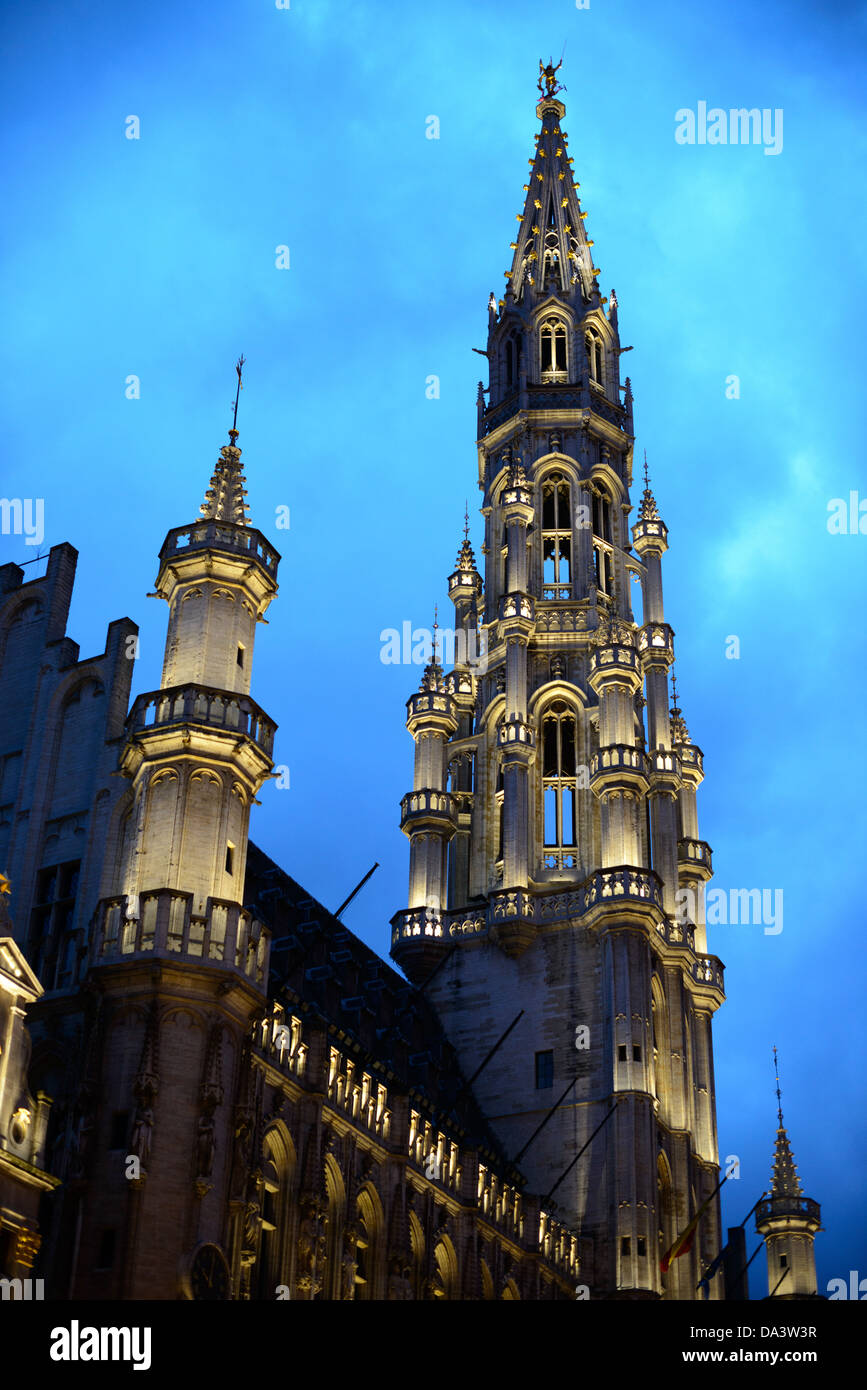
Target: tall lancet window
(552,350)
(556,538)
(603,554)
(559,786)
(595,358)
(499,794)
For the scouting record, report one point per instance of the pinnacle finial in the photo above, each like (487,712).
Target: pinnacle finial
(779,1096)
(548,75)
(646,475)
(233,432)
(224,499)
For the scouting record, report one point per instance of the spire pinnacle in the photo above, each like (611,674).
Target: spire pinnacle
(551,252)
(224,499)
(432,679)
(233,432)
(785,1181)
(648,510)
(679,731)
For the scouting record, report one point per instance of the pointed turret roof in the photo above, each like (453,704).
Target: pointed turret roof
(551,247)
(432,679)
(224,499)
(679,731)
(784,1178)
(648,510)
(466,559)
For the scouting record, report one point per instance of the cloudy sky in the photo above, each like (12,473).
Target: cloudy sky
(305,127)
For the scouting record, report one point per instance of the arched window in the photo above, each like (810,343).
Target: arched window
(552,350)
(602,517)
(559,786)
(602,568)
(510,362)
(556,538)
(595,358)
(499,793)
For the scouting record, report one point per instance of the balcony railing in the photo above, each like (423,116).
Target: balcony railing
(773,1207)
(696,852)
(221,535)
(225,936)
(428,806)
(204,705)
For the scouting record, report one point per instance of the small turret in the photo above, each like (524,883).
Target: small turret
(788,1221)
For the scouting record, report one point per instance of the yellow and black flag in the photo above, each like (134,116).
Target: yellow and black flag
(685,1240)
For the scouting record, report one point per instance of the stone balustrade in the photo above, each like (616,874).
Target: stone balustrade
(221,535)
(226,936)
(203,705)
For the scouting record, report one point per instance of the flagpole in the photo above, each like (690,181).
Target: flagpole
(565,1174)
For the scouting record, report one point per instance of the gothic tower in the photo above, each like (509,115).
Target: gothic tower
(179,968)
(555,864)
(788,1221)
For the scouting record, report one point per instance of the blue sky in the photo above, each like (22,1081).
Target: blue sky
(305,127)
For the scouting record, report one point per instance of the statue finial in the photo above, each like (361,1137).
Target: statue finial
(548,76)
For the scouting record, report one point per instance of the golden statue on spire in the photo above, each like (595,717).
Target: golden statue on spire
(549,76)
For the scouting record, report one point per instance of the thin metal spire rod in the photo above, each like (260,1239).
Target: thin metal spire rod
(238,367)
(779,1096)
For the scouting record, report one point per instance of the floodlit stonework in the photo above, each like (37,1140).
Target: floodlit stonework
(229,1095)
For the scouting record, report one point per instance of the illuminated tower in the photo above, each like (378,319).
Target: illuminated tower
(788,1221)
(179,967)
(554,845)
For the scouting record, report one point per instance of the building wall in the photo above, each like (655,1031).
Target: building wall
(60,736)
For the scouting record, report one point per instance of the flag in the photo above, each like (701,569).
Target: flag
(684,1241)
(704,1281)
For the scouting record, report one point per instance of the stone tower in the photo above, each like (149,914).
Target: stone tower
(178,967)
(788,1221)
(555,864)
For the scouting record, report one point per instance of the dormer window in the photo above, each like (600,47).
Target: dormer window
(552,350)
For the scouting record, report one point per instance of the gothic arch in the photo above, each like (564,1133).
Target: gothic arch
(335,1192)
(661,1045)
(665,1217)
(417,1247)
(370,1220)
(487,1281)
(445,1283)
(278,1212)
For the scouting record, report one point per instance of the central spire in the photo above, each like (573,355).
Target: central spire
(551,251)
